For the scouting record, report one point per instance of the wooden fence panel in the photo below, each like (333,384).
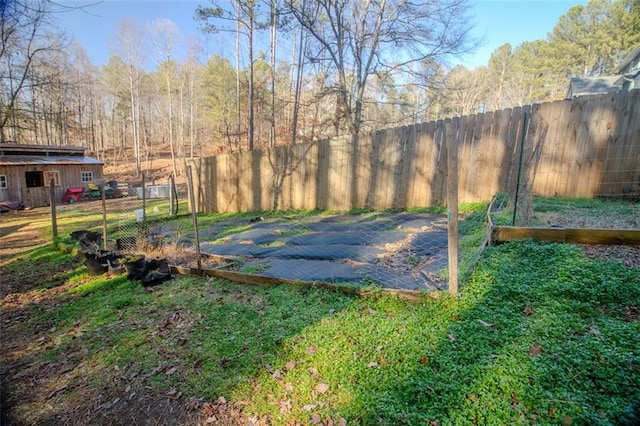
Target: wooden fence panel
(575,148)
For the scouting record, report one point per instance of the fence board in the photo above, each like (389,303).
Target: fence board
(583,147)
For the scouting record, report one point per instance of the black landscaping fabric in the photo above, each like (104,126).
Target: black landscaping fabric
(340,248)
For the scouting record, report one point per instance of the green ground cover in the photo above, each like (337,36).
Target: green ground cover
(541,334)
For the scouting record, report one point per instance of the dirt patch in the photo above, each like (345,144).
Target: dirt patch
(23,232)
(74,386)
(628,255)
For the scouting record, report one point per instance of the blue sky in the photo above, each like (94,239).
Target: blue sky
(497,21)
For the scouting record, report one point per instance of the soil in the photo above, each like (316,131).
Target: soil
(628,255)
(43,392)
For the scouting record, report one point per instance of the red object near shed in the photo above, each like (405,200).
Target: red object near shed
(73,195)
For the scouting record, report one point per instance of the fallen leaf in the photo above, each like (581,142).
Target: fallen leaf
(315,419)
(568,420)
(424,359)
(486,324)
(207,410)
(451,337)
(552,411)
(321,388)
(370,310)
(285,406)
(221,400)
(536,349)
(309,407)
(372,364)
(312,371)
(277,374)
(527,311)
(182,341)
(290,365)
(197,363)
(171,371)
(342,421)
(311,350)
(594,331)
(632,312)
(514,400)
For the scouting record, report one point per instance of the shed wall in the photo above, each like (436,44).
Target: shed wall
(70,175)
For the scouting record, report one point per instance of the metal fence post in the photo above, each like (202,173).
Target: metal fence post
(451,143)
(104,216)
(194,216)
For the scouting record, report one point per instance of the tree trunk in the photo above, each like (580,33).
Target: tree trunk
(251,88)
(272,133)
(298,86)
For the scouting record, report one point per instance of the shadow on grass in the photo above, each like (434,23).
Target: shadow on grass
(105,335)
(539,336)
(39,269)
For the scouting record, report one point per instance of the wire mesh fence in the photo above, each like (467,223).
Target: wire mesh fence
(599,190)
(120,212)
(371,211)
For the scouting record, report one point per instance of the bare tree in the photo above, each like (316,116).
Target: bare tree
(165,36)
(273,22)
(244,14)
(25,35)
(361,38)
(128,45)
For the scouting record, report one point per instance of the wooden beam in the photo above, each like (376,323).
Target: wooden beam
(266,281)
(567,235)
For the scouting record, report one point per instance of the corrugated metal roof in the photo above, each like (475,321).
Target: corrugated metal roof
(24,149)
(44,160)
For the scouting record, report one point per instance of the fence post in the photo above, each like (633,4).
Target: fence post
(172,210)
(194,216)
(144,199)
(52,201)
(104,217)
(451,132)
(522,139)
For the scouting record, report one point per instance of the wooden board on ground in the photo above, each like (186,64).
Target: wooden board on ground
(501,234)
(266,281)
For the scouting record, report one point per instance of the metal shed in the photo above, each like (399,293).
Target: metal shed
(26,171)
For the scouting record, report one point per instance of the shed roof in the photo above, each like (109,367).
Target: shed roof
(628,59)
(45,160)
(24,149)
(580,86)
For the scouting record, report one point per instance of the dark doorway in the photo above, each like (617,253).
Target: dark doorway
(34,179)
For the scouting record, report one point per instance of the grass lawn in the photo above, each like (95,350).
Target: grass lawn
(541,334)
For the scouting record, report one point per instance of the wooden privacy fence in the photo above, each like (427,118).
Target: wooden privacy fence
(586,147)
